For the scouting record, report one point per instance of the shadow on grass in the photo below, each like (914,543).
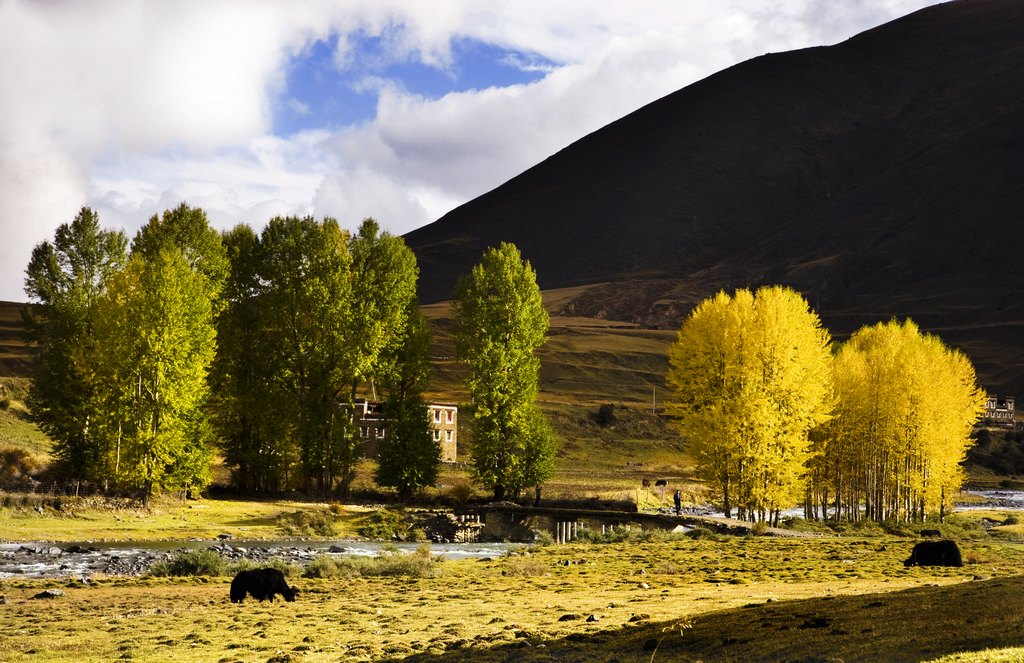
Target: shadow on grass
(908,625)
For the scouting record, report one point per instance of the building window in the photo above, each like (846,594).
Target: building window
(437,435)
(380,432)
(448,435)
(449,416)
(437,416)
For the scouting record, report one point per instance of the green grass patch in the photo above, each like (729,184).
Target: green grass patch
(191,563)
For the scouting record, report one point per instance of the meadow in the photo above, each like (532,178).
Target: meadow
(670,599)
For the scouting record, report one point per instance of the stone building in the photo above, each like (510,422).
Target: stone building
(1000,411)
(444,425)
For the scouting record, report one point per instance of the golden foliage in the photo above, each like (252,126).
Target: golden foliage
(751,377)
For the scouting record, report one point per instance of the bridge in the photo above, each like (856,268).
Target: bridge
(507,521)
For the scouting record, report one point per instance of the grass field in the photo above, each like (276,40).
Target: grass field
(681,599)
(168,519)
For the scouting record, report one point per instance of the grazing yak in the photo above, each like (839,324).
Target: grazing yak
(935,553)
(262,584)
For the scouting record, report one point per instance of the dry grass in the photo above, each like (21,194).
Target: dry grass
(737,599)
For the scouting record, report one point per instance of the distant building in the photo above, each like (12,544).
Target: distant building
(1000,411)
(444,425)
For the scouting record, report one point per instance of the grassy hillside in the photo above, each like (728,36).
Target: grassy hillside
(15,356)
(589,362)
(15,428)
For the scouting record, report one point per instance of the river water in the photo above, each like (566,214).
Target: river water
(41,559)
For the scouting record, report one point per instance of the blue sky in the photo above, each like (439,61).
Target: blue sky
(319,94)
(395,109)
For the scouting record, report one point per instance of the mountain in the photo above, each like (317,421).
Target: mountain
(882,176)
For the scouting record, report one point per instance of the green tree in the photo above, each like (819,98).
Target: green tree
(258,439)
(64,280)
(187,230)
(409,457)
(384,275)
(316,310)
(156,343)
(500,322)
(305,271)
(750,375)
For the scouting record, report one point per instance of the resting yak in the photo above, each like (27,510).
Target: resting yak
(935,553)
(262,584)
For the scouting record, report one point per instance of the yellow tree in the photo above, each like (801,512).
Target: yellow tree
(750,375)
(906,405)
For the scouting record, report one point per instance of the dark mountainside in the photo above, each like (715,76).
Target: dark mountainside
(881,177)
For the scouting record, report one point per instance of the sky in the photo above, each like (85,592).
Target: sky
(399,110)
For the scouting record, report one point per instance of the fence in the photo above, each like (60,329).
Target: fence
(73,488)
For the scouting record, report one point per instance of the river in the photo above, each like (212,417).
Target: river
(42,559)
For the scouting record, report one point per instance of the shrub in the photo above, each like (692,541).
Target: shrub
(461,492)
(630,535)
(858,527)
(542,538)
(805,525)
(191,563)
(384,524)
(705,533)
(1012,520)
(322,566)
(307,523)
(420,564)
(523,566)
(17,464)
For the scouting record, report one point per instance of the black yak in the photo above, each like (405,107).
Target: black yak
(262,584)
(935,553)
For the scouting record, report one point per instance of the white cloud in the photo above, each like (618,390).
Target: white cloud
(132,107)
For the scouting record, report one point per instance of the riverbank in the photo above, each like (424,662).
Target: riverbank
(77,561)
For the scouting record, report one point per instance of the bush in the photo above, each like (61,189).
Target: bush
(630,535)
(523,566)
(699,533)
(307,523)
(542,538)
(191,563)
(384,524)
(421,564)
(1012,520)
(461,492)
(805,525)
(322,566)
(17,464)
